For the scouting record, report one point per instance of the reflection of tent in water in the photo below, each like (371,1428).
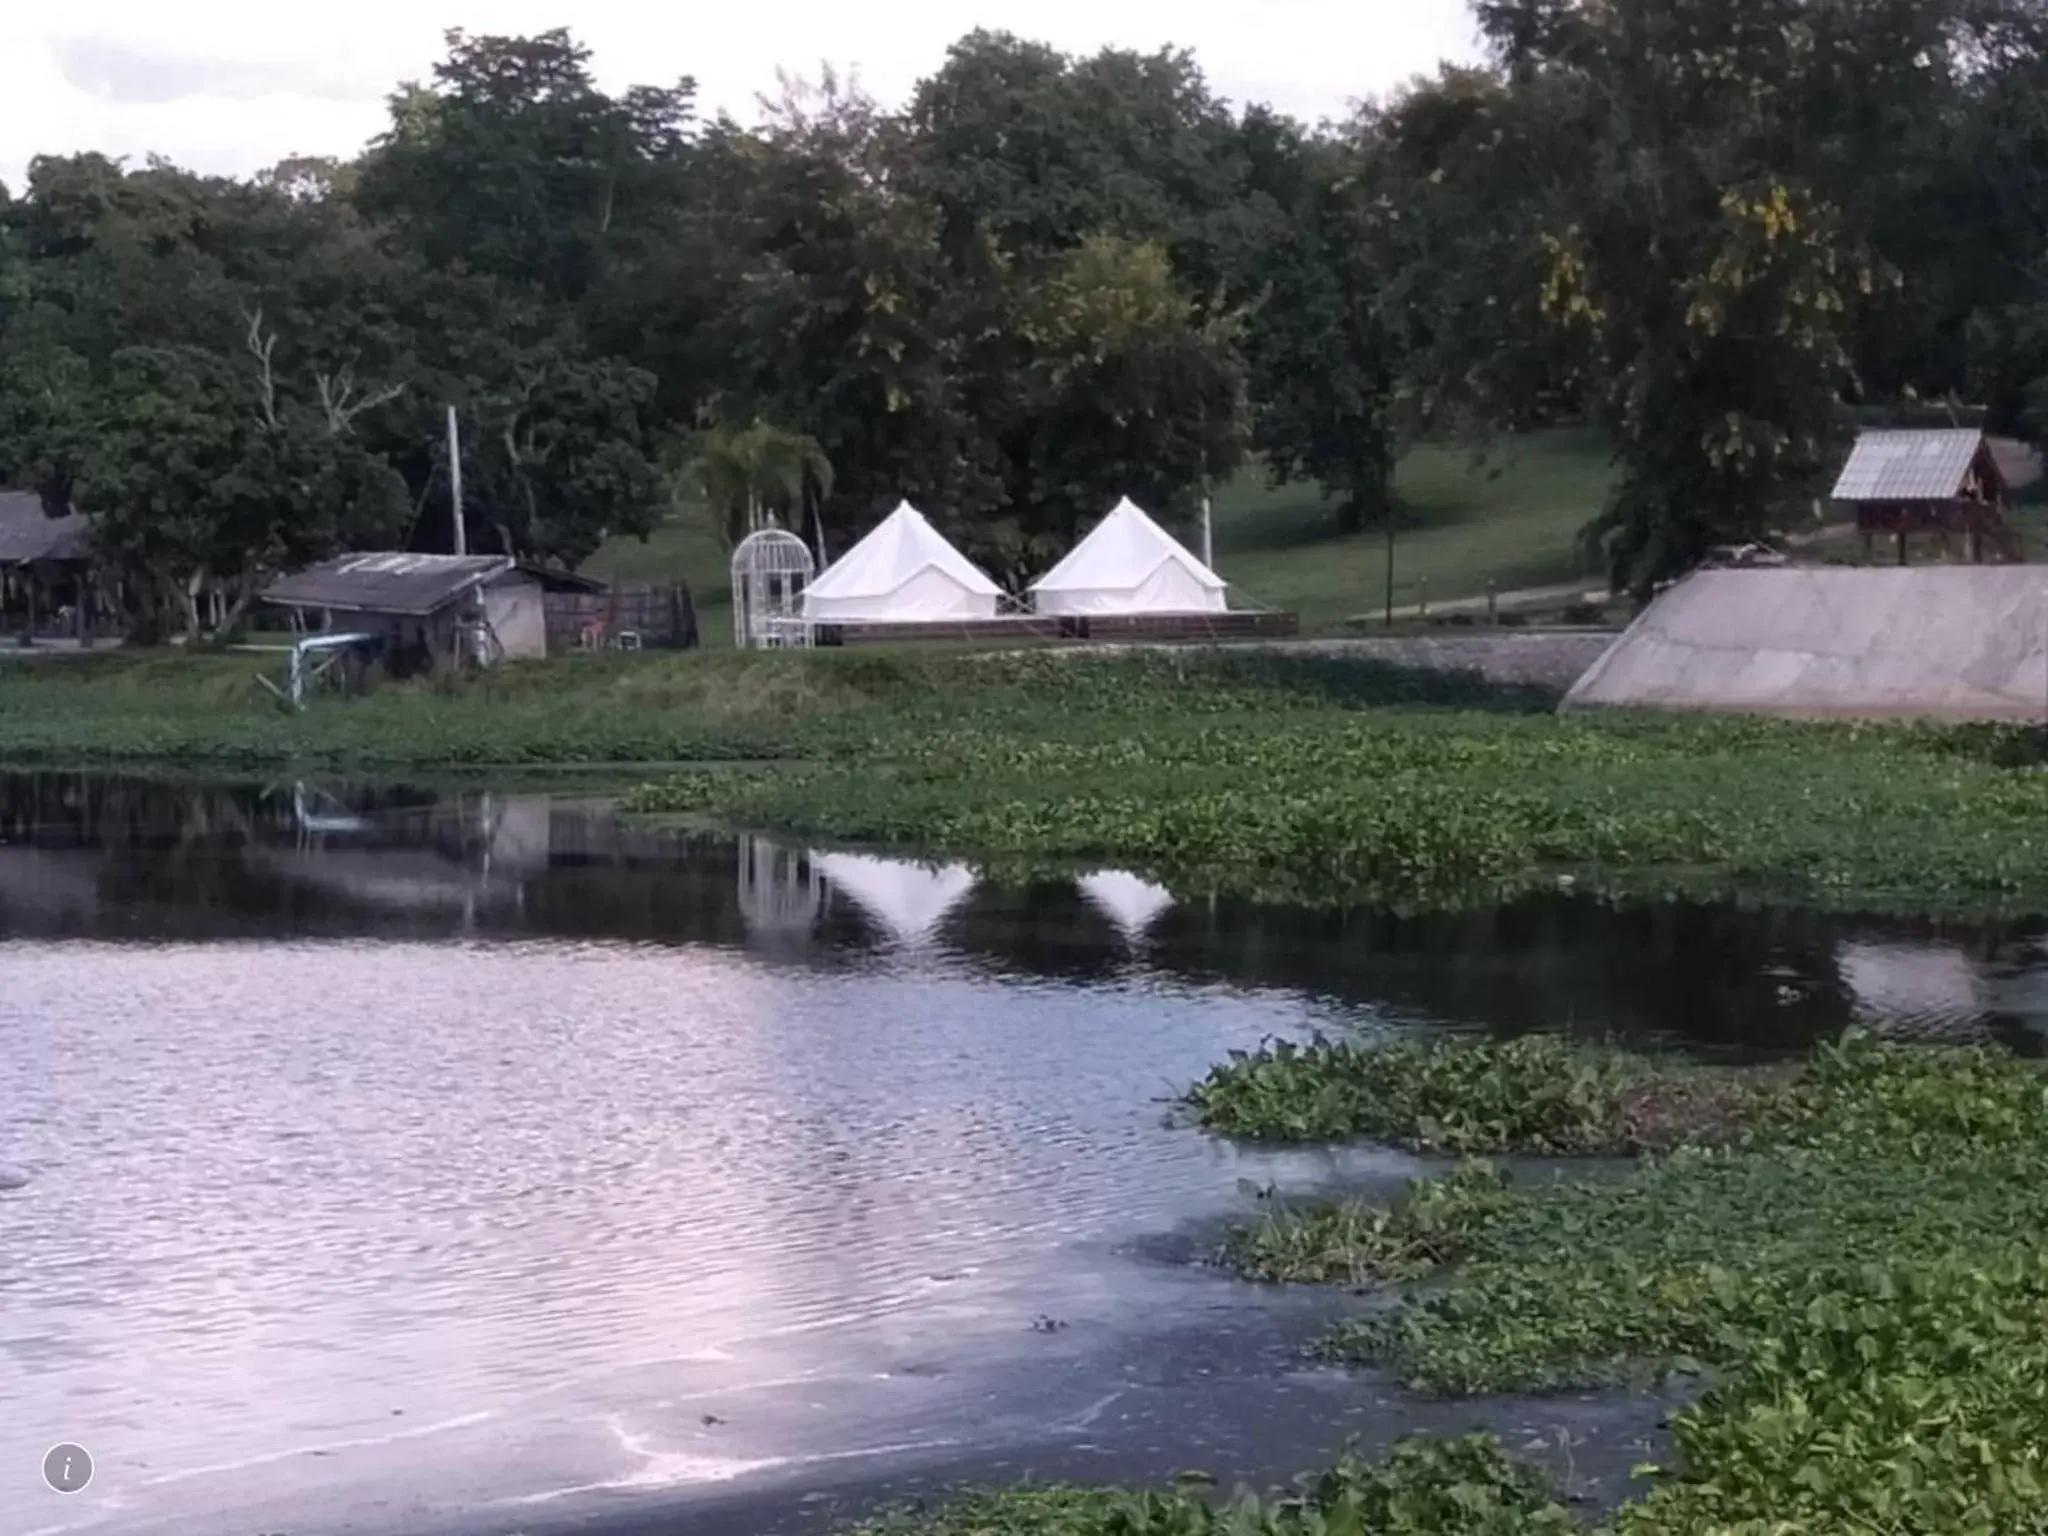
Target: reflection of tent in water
(1132,904)
(909,900)
(1911,984)
(780,893)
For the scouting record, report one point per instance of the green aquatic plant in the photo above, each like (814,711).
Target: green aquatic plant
(1537,1093)
(1288,776)
(1460,1486)
(1279,793)
(1860,1276)
(1362,1244)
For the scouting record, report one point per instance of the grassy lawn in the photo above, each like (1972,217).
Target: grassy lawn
(1512,520)
(685,548)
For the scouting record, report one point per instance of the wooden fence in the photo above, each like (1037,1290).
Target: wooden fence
(621,616)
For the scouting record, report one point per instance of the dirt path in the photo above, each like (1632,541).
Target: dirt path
(1521,597)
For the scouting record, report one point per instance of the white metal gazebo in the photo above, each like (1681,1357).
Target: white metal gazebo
(770,569)
(781,895)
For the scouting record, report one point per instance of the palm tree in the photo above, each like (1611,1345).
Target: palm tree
(748,475)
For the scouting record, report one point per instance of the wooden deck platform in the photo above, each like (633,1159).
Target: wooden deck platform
(1071,629)
(1190,628)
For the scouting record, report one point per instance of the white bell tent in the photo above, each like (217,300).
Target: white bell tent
(1133,905)
(902,573)
(909,901)
(1129,564)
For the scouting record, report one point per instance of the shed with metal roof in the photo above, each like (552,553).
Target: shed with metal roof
(1941,481)
(431,608)
(29,535)
(46,582)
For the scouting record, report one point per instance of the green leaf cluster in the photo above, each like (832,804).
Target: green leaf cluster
(1858,1276)
(1422,1487)
(1280,781)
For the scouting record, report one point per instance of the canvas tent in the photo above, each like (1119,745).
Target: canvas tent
(1129,564)
(902,573)
(907,900)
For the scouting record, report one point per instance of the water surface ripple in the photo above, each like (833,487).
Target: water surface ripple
(478,1153)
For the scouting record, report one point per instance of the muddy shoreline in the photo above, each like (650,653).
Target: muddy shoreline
(1235,1397)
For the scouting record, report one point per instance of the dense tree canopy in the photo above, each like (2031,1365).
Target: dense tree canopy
(1710,227)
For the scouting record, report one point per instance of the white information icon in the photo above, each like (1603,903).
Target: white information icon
(67,1468)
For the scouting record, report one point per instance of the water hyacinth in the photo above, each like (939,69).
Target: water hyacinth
(1855,1264)
(1256,787)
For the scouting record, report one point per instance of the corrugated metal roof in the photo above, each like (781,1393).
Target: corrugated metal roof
(1908,465)
(387,582)
(28,533)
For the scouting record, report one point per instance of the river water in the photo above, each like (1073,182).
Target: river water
(434,1161)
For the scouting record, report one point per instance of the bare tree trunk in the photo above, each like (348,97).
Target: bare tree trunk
(189,595)
(231,621)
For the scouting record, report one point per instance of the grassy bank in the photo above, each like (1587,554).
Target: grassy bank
(1289,779)
(1267,774)
(652,708)
(1854,1269)
(1512,521)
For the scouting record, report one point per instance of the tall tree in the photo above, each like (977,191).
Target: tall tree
(846,326)
(513,163)
(1039,151)
(1322,343)
(1705,253)
(1131,392)
(751,475)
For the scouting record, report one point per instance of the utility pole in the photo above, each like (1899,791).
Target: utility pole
(1208,538)
(1390,566)
(455,482)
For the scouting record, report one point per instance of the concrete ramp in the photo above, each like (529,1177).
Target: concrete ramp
(1936,642)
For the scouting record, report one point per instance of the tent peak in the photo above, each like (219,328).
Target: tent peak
(903,571)
(1128,564)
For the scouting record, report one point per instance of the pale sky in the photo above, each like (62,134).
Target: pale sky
(233,86)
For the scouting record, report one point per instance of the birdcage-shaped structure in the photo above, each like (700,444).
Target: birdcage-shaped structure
(780,892)
(770,570)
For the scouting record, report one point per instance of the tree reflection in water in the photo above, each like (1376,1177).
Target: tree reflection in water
(121,857)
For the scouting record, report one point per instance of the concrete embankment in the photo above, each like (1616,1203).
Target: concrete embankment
(1554,659)
(1923,642)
